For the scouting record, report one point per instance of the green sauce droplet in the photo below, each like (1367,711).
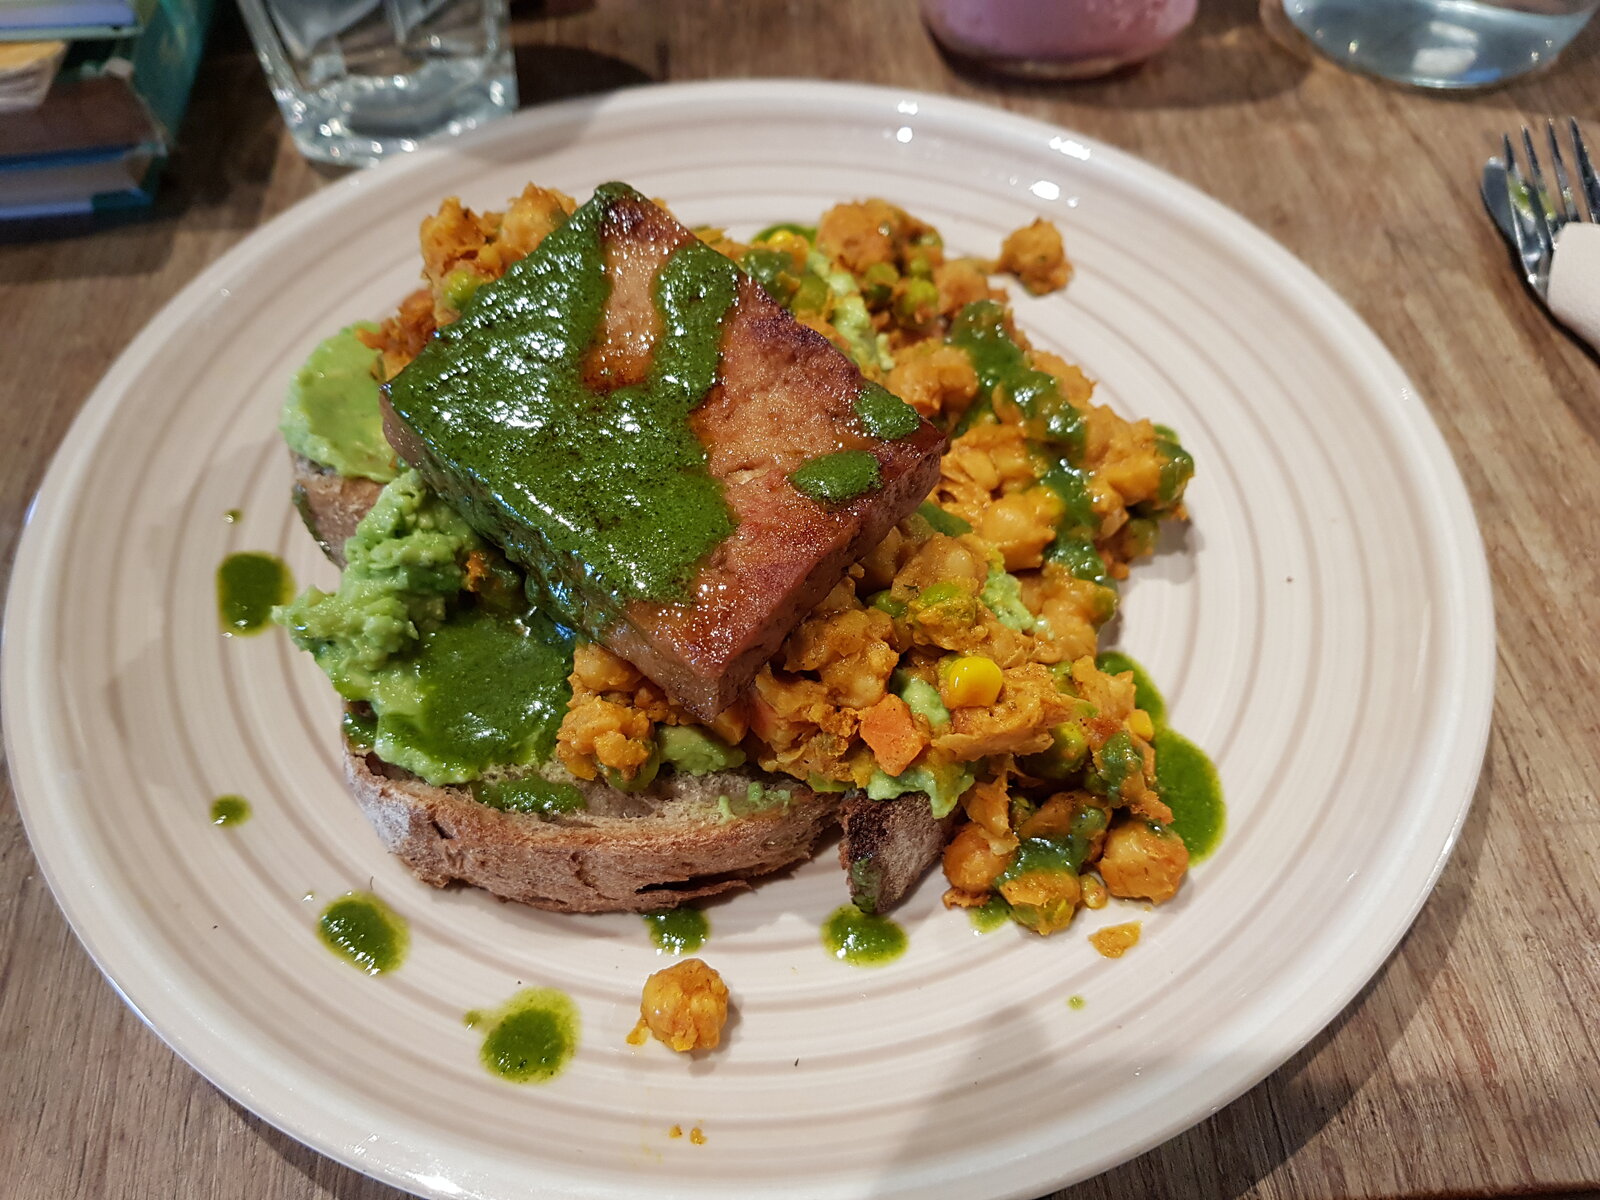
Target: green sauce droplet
(530,794)
(233,516)
(1188,783)
(365,932)
(230,810)
(248,585)
(862,941)
(1076,1001)
(678,930)
(884,415)
(837,478)
(986,918)
(531,1038)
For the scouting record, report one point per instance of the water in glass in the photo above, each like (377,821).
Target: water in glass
(357,80)
(1441,43)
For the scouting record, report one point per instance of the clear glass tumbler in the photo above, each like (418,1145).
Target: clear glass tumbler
(358,80)
(1441,43)
(1056,39)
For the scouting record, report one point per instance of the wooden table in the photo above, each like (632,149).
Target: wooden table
(1469,1066)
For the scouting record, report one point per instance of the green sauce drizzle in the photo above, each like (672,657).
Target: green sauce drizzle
(862,941)
(1003,371)
(1185,776)
(1188,783)
(230,810)
(531,1037)
(837,478)
(365,932)
(249,585)
(992,915)
(529,794)
(678,930)
(884,415)
(596,493)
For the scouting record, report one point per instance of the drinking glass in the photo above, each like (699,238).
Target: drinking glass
(1056,39)
(358,80)
(1440,43)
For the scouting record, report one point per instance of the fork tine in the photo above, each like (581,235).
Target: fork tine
(1537,195)
(1565,203)
(1591,185)
(1517,200)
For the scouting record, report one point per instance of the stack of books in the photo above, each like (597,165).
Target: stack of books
(91,95)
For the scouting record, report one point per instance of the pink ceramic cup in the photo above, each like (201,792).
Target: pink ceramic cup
(1057,39)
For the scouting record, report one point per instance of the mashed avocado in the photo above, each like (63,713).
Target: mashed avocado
(694,751)
(331,414)
(943,786)
(456,688)
(1002,592)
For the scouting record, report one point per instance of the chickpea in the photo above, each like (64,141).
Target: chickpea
(684,1006)
(974,860)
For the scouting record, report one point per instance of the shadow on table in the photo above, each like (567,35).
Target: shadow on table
(1228,1154)
(1225,57)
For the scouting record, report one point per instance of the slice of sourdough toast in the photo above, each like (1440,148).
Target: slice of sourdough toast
(681,839)
(659,848)
(626,852)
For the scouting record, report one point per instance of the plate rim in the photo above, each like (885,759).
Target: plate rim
(1464,569)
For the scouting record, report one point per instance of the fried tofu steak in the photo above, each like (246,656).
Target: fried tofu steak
(683,470)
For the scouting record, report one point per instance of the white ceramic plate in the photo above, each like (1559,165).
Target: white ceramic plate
(1324,629)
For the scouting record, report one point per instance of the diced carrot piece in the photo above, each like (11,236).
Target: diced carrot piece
(888,729)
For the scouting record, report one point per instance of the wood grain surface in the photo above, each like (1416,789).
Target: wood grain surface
(1468,1066)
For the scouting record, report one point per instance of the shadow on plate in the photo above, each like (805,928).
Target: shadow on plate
(1229,1153)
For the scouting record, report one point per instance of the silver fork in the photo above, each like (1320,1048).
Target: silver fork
(1529,212)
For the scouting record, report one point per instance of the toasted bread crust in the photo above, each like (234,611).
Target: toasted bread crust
(888,845)
(330,504)
(681,849)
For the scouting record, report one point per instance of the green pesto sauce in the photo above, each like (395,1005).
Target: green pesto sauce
(365,932)
(531,1038)
(233,516)
(837,478)
(1064,853)
(1114,763)
(249,585)
(992,915)
(678,930)
(884,415)
(862,941)
(529,794)
(331,414)
(1188,783)
(598,493)
(1185,775)
(360,729)
(482,690)
(1076,1002)
(1002,367)
(1146,695)
(230,810)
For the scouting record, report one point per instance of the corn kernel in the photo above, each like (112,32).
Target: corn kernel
(1140,723)
(971,681)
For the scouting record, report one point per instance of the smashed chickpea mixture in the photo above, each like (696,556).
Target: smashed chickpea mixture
(957,659)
